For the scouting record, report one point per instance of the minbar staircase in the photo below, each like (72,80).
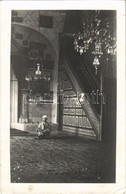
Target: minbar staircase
(87,107)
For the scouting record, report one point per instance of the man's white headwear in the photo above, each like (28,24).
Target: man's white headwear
(44,116)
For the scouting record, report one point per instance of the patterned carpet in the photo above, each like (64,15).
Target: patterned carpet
(62,158)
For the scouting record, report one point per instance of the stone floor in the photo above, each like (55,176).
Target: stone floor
(63,158)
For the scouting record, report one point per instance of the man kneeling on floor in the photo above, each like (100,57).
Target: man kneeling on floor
(44,128)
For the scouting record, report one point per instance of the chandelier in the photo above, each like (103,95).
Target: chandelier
(38,74)
(35,74)
(97,32)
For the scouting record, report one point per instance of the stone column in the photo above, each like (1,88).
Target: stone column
(55,87)
(24,106)
(14,98)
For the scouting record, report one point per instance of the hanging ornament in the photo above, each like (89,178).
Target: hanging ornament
(96,63)
(38,72)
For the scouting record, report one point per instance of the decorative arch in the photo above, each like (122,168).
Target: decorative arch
(39,35)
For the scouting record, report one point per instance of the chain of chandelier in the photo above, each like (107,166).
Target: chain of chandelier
(98,32)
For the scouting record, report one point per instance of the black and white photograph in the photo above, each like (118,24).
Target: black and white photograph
(63,127)
(63,96)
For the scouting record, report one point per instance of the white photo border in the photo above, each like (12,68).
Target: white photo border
(5,41)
